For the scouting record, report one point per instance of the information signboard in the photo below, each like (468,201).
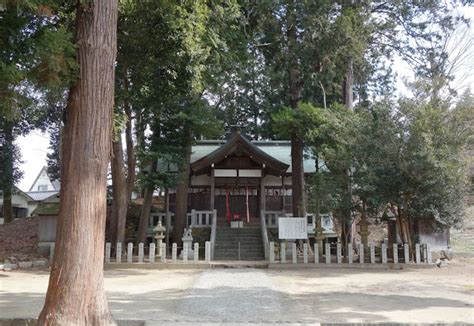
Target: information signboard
(292,228)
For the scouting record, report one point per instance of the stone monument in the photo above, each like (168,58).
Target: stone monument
(159,236)
(187,242)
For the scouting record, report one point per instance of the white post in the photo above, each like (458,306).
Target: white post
(207,251)
(107,252)
(425,253)
(293,253)
(272,252)
(118,253)
(305,253)
(338,253)
(316,254)
(417,253)
(163,253)
(406,253)
(395,253)
(350,254)
(328,253)
(196,252)
(141,252)
(384,253)
(372,253)
(361,253)
(283,252)
(130,253)
(185,252)
(174,251)
(429,257)
(151,254)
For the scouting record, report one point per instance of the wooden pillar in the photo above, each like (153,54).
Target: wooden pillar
(262,191)
(213,190)
(168,216)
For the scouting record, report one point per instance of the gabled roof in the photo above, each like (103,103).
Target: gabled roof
(42,195)
(238,142)
(56,184)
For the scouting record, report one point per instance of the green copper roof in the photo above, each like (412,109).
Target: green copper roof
(280,150)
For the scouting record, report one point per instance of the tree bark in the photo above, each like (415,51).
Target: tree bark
(131,161)
(76,294)
(182,198)
(145,214)
(8,183)
(120,194)
(146,207)
(295,88)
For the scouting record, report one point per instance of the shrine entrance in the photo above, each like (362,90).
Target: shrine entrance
(237,203)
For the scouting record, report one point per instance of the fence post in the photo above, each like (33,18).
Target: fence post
(130,253)
(428,254)
(328,253)
(207,251)
(163,253)
(196,252)
(151,255)
(283,252)
(107,252)
(293,252)
(417,253)
(272,252)
(338,253)
(350,254)
(384,253)
(174,251)
(316,254)
(406,253)
(361,253)
(305,253)
(372,253)
(118,253)
(141,252)
(395,253)
(184,253)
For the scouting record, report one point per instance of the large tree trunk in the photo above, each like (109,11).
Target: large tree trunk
(120,193)
(145,215)
(131,161)
(146,207)
(76,294)
(8,157)
(182,198)
(295,88)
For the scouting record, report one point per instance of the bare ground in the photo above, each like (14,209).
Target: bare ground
(436,295)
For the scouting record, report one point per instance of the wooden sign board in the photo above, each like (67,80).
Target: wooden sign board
(292,228)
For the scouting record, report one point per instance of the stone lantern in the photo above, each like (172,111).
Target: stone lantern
(159,236)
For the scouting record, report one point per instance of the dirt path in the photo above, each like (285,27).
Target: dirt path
(219,296)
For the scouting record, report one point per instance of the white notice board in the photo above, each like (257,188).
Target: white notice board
(292,228)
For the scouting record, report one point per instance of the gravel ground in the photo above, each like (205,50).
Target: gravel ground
(232,295)
(255,296)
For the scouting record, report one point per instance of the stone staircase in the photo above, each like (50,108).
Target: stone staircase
(227,244)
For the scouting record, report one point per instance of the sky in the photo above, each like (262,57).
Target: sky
(34,146)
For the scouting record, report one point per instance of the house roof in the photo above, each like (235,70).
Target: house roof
(239,144)
(56,184)
(42,195)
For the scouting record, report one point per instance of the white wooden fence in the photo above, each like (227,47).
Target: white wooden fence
(362,255)
(152,256)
